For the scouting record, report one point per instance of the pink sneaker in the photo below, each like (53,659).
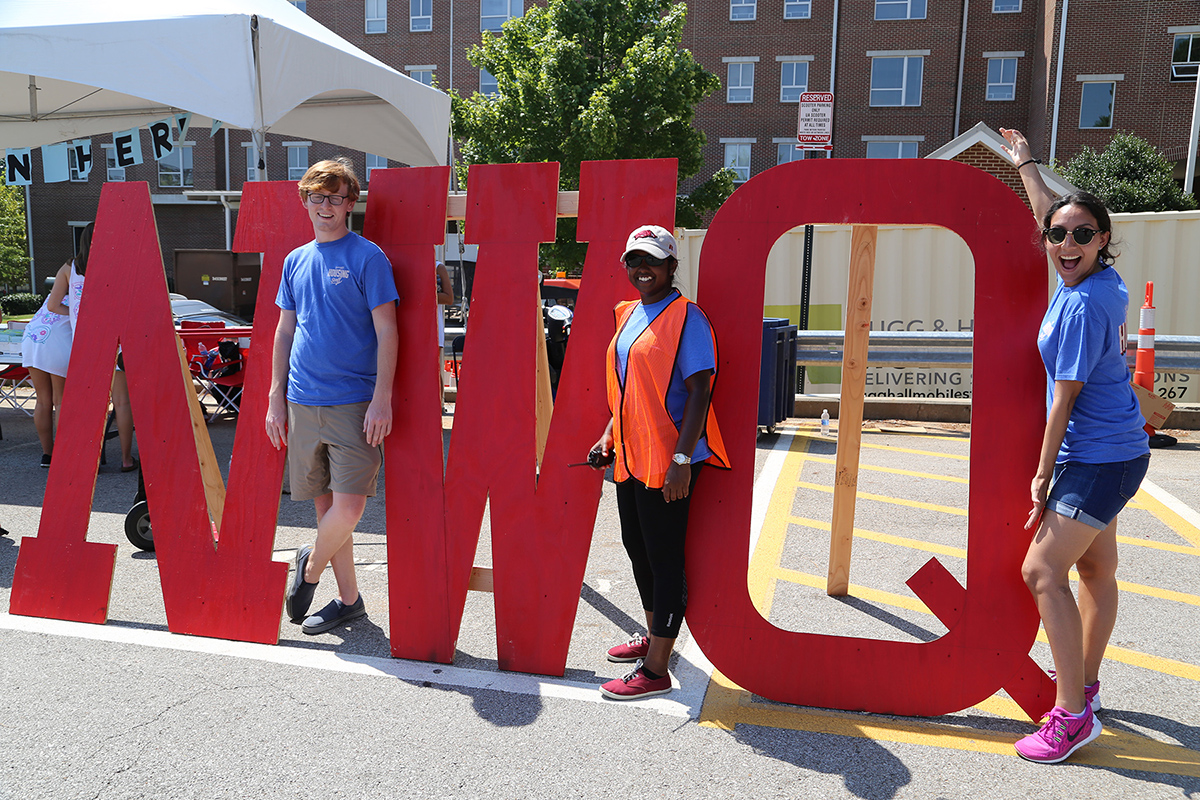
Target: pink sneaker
(1090,693)
(636,685)
(635,648)
(1060,735)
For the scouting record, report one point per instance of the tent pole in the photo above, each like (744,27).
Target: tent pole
(260,130)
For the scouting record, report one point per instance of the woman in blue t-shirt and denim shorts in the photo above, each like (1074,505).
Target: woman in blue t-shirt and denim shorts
(1094,456)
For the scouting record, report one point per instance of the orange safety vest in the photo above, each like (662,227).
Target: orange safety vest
(644,435)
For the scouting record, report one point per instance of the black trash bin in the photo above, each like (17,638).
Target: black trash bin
(777,372)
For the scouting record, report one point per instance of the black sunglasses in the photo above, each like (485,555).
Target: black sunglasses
(1058,235)
(635,260)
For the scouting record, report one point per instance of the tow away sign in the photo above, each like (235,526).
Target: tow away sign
(814,129)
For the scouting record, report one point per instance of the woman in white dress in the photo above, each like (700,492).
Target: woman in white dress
(45,352)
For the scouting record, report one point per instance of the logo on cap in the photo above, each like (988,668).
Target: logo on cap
(645,233)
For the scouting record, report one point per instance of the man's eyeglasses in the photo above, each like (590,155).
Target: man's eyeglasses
(1058,235)
(334,199)
(635,260)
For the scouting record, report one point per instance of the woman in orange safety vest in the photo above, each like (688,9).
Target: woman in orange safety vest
(660,369)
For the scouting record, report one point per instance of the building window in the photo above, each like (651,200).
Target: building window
(376,16)
(175,168)
(297,159)
(420,15)
(113,173)
(797,9)
(494,13)
(896,81)
(899,9)
(252,161)
(422,75)
(740,86)
(793,80)
(1006,6)
(742,9)
(737,158)
(898,149)
(300,4)
(1096,105)
(73,164)
(1185,57)
(488,85)
(1002,79)
(375,162)
(786,151)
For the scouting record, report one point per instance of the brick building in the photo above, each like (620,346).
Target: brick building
(908,77)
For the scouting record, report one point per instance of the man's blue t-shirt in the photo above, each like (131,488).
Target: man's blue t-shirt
(1083,339)
(332,287)
(695,354)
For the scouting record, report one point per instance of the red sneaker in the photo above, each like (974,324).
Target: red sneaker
(635,648)
(636,685)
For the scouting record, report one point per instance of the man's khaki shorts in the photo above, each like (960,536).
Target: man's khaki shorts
(328,451)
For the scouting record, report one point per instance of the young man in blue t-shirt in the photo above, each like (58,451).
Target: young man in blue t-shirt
(331,384)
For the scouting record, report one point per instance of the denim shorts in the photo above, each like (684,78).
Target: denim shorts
(1095,493)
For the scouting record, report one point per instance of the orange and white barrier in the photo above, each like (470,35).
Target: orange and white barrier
(1143,365)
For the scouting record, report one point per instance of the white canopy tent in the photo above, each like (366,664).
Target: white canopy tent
(76,68)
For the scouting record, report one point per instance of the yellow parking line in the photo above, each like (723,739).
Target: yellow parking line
(886,538)
(1170,548)
(1187,531)
(727,705)
(961,512)
(861,592)
(769,550)
(891,471)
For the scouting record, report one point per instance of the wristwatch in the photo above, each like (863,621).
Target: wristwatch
(681,459)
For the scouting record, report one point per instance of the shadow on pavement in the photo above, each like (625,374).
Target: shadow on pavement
(868,769)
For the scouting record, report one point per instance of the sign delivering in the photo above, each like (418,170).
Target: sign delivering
(814,128)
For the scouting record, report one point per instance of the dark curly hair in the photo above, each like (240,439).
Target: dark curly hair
(1095,206)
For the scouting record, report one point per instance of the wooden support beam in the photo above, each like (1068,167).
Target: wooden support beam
(567,206)
(210,471)
(850,410)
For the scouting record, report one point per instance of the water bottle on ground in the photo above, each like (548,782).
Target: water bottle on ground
(825,422)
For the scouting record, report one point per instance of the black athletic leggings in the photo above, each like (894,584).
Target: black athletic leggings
(653,532)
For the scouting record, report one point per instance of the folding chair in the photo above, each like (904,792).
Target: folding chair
(220,378)
(12,378)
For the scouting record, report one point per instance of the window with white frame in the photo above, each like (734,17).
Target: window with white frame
(739,88)
(899,9)
(488,85)
(892,149)
(742,10)
(420,15)
(73,165)
(1185,57)
(375,162)
(376,15)
(422,74)
(494,13)
(1096,104)
(786,151)
(793,80)
(297,153)
(737,158)
(896,80)
(797,9)
(112,171)
(1006,6)
(175,168)
(1002,78)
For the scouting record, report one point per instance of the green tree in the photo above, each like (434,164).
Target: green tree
(1130,174)
(584,80)
(14,251)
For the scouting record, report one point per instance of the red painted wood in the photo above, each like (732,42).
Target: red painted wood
(406,216)
(1030,687)
(991,638)
(207,590)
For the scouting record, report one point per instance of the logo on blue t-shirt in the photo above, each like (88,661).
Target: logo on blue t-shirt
(338,274)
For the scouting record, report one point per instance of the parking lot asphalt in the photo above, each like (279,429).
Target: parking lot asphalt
(128,709)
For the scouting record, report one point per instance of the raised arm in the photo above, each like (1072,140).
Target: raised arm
(1040,196)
